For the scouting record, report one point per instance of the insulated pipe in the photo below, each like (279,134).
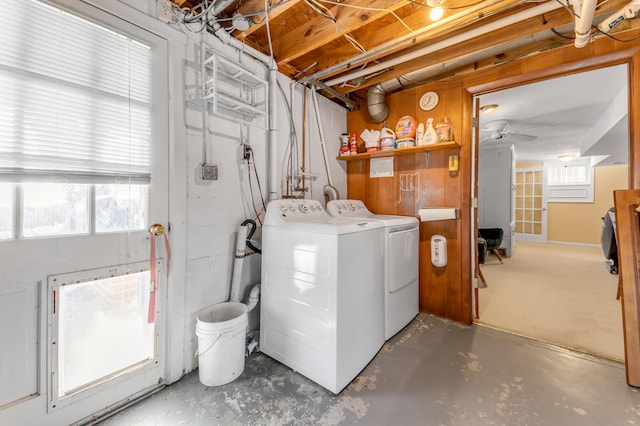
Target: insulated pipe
(324,149)
(466,36)
(629,11)
(241,246)
(584,11)
(254,297)
(377,92)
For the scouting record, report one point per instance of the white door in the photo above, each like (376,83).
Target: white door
(75,213)
(531,205)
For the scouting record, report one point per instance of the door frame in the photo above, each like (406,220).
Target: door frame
(556,64)
(36,407)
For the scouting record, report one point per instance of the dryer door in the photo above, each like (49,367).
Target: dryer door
(403,258)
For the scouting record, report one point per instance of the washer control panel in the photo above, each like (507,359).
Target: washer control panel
(354,208)
(293,208)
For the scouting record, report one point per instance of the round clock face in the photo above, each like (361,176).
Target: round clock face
(429,100)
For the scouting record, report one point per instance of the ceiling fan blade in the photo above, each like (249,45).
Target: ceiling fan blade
(516,137)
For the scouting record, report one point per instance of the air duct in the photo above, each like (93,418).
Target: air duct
(378,110)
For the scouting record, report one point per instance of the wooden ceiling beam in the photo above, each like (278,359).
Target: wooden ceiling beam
(279,8)
(502,35)
(530,26)
(320,31)
(384,35)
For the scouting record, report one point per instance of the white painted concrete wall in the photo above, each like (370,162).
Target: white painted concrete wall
(205,216)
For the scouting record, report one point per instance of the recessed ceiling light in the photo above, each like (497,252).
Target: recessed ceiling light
(489,107)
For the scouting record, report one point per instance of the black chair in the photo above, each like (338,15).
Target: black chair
(482,249)
(493,239)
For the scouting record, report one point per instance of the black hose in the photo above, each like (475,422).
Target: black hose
(250,234)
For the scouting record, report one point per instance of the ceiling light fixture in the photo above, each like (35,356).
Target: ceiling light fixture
(489,107)
(566,157)
(436,9)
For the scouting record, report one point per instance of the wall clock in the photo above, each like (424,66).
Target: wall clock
(429,100)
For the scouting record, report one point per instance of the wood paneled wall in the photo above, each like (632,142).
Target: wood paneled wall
(447,291)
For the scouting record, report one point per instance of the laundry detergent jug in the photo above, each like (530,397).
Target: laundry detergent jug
(387,139)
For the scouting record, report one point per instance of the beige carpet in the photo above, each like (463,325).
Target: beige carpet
(561,294)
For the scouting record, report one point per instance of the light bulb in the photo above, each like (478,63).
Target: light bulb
(436,13)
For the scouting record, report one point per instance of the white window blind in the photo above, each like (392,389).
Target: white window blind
(567,175)
(76,99)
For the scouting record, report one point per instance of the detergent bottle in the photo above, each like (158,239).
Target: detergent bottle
(430,135)
(420,135)
(387,139)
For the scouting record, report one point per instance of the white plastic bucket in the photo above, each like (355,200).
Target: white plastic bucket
(221,331)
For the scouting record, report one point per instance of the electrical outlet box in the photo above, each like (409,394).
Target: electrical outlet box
(246,151)
(209,171)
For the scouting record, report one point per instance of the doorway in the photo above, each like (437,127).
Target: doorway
(542,121)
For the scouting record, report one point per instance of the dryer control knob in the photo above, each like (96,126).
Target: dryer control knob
(303,208)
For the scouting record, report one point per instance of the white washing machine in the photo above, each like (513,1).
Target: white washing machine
(401,261)
(322,311)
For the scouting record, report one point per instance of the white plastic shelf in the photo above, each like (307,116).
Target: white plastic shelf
(234,92)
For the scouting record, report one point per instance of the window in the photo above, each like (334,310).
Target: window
(569,183)
(75,120)
(102,327)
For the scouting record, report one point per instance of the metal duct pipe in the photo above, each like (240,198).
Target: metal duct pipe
(466,36)
(378,91)
(378,110)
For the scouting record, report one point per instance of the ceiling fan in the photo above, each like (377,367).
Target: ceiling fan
(498,130)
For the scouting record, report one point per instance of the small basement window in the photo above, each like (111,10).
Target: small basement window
(569,183)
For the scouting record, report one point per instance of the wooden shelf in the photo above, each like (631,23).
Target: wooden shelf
(400,151)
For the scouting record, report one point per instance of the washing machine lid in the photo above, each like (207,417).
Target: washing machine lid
(356,208)
(309,216)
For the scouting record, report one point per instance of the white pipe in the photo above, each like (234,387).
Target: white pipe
(227,39)
(395,44)
(254,297)
(466,36)
(379,111)
(241,251)
(629,11)
(272,184)
(321,131)
(584,10)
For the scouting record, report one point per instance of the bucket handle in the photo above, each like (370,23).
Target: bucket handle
(210,346)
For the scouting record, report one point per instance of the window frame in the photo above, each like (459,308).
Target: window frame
(570,192)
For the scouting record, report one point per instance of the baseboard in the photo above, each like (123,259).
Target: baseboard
(566,243)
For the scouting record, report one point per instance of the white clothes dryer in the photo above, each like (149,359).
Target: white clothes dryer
(322,311)
(401,284)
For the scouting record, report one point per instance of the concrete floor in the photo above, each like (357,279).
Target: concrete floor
(434,372)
